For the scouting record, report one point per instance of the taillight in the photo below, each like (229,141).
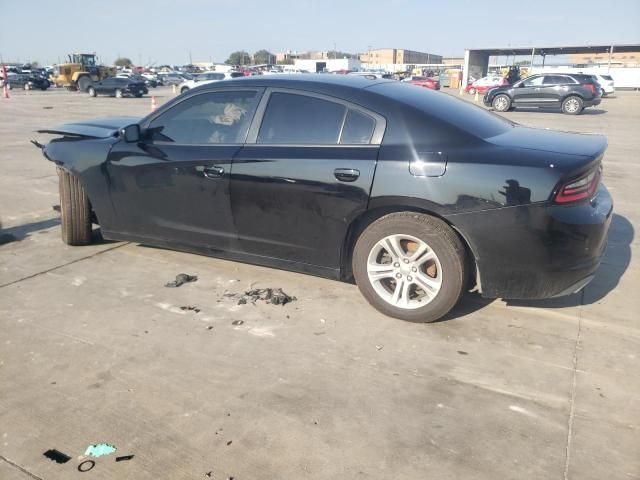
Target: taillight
(580,188)
(590,86)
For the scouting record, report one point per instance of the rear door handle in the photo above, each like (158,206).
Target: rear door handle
(346,174)
(213,172)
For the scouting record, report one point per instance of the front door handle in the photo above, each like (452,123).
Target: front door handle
(213,172)
(346,174)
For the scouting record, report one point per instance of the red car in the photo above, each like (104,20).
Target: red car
(485,83)
(425,82)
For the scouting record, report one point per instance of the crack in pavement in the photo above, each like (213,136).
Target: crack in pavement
(64,265)
(22,469)
(572,399)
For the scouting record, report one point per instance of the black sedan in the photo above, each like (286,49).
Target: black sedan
(414,194)
(118,87)
(27,81)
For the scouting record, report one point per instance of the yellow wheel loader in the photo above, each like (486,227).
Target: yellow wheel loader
(80,71)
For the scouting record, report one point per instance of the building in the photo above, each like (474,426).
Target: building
(398,56)
(327,64)
(625,58)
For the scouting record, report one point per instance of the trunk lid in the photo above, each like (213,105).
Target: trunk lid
(567,143)
(96,128)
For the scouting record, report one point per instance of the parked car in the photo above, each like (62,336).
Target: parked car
(171,78)
(606,84)
(27,81)
(118,87)
(372,75)
(202,79)
(485,83)
(417,196)
(425,82)
(568,91)
(149,82)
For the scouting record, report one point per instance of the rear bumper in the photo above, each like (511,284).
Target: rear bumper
(538,251)
(592,103)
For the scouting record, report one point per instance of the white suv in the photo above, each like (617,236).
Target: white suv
(606,82)
(202,79)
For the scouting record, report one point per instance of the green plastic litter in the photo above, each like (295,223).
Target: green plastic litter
(100,449)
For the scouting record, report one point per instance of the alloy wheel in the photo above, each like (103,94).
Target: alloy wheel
(404,271)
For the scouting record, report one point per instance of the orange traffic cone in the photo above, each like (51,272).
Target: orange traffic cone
(154,105)
(5,92)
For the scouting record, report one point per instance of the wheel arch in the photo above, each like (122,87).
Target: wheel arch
(366,218)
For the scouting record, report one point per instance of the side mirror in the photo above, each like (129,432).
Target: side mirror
(131,133)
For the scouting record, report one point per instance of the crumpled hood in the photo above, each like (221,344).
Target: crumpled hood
(96,128)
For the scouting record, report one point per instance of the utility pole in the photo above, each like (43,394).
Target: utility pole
(190,59)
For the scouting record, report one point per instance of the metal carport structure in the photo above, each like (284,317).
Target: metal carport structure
(476,60)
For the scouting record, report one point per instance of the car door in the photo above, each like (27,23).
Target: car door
(303,176)
(104,86)
(527,92)
(556,88)
(173,185)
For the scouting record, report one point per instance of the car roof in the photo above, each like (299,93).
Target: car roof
(312,81)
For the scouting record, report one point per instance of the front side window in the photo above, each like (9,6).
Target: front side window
(301,119)
(532,82)
(217,117)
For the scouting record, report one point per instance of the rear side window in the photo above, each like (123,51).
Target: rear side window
(217,117)
(557,80)
(300,119)
(607,77)
(358,128)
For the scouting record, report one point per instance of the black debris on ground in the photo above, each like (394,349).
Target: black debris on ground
(124,458)
(229,442)
(47,108)
(462,352)
(229,295)
(237,322)
(181,279)
(274,296)
(56,208)
(210,327)
(189,308)
(57,456)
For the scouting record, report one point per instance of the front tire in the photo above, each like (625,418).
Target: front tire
(501,103)
(184,89)
(27,87)
(572,105)
(410,266)
(472,91)
(75,210)
(84,83)
(118,93)
(92,92)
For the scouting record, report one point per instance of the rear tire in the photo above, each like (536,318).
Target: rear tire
(118,93)
(27,87)
(472,91)
(92,92)
(572,105)
(75,210)
(501,103)
(184,89)
(433,280)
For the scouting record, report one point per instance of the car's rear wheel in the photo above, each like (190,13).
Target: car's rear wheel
(501,103)
(184,89)
(472,91)
(118,93)
(27,86)
(602,92)
(92,92)
(410,266)
(75,210)
(572,105)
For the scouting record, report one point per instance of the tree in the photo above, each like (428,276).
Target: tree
(123,62)
(239,58)
(263,56)
(338,54)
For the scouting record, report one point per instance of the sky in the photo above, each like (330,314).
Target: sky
(173,31)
